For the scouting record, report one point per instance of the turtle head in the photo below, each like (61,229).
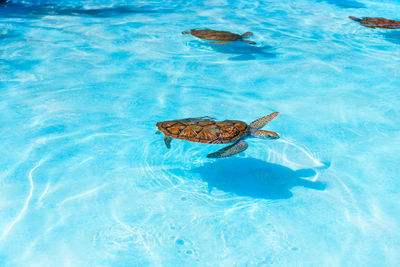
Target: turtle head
(354,18)
(185,32)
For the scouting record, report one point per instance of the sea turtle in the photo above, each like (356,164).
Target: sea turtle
(208,131)
(222,37)
(378,23)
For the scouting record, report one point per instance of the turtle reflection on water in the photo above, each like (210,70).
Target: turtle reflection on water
(221,37)
(378,23)
(208,131)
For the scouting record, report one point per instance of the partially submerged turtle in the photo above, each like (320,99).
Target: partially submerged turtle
(208,131)
(378,23)
(222,37)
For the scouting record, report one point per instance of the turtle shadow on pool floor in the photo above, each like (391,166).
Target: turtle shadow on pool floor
(392,36)
(255,178)
(242,51)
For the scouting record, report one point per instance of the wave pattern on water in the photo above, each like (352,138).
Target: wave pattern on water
(84,179)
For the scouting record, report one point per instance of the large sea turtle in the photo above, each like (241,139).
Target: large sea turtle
(222,37)
(378,23)
(208,131)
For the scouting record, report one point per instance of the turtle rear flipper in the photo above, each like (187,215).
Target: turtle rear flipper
(229,150)
(246,34)
(222,42)
(257,124)
(249,42)
(368,26)
(266,134)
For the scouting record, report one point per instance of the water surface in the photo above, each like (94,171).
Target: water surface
(84,181)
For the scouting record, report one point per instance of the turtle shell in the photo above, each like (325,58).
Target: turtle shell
(380,23)
(204,131)
(213,35)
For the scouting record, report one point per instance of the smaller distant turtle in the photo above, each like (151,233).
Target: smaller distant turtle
(208,131)
(378,23)
(222,37)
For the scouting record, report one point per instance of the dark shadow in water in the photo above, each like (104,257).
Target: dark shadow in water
(344,3)
(240,50)
(10,34)
(255,178)
(19,10)
(392,36)
(19,64)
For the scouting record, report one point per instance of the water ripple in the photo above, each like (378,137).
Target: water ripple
(25,207)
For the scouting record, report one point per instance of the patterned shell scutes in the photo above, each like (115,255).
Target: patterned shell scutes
(213,35)
(204,131)
(381,23)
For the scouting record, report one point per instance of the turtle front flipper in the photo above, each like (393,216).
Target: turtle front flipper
(222,42)
(249,42)
(257,124)
(229,150)
(167,141)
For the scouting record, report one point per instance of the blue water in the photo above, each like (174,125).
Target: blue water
(85,181)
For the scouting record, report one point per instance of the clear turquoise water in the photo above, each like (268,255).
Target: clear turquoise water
(84,181)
